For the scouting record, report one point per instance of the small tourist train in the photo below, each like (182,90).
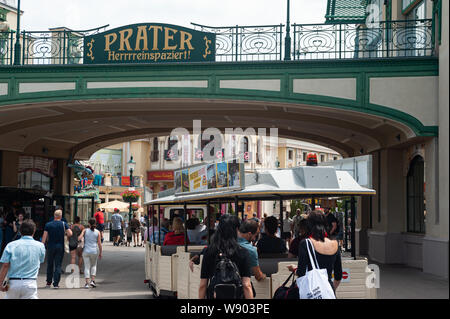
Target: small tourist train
(167,270)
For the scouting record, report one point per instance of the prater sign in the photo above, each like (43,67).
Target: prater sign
(149,43)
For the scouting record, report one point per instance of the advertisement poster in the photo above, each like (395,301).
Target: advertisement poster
(211,176)
(185,180)
(197,179)
(233,174)
(222,175)
(177,182)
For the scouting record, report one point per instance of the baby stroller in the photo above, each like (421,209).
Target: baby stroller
(122,240)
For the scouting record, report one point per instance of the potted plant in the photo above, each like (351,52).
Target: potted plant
(130,196)
(135,207)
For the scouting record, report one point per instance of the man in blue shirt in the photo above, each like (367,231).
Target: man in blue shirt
(21,262)
(116,226)
(247,233)
(54,232)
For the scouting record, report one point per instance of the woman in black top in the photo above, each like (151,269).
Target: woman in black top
(224,241)
(327,251)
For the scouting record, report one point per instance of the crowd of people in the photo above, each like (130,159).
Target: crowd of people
(230,239)
(244,241)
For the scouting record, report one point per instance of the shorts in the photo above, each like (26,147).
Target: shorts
(286,235)
(115,232)
(340,236)
(135,230)
(101,227)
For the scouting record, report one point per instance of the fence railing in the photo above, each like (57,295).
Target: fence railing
(247,43)
(388,39)
(352,41)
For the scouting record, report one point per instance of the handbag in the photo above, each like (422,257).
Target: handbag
(314,284)
(284,292)
(66,240)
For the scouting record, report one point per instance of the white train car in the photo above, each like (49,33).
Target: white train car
(167,268)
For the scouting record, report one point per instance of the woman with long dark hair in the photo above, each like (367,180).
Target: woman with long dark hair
(224,243)
(92,251)
(327,251)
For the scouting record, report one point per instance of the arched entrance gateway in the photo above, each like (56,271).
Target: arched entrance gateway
(144,80)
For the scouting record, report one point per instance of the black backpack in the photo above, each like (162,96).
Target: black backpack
(226,282)
(290,292)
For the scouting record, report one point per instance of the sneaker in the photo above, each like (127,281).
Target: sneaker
(93,285)
(86,286)
(55,287)
(48,285)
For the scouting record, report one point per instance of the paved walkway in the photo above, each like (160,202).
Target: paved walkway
(400,282)
(120,275)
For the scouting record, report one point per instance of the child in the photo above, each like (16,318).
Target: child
(129,236)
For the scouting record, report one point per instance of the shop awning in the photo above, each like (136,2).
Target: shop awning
(346,11)
(90,193)
(281,183)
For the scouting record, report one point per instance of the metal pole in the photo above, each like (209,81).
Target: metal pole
(281,215)
(208,220)
(287,41)
(185,230)
(17,48)
(353,209)
(159,213)
(346,225)
(148,224)
(236,203)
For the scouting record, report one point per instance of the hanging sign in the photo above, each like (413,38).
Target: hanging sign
(149,43)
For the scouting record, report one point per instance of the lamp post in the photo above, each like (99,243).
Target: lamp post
(17,48)
(287,40)
(131,166)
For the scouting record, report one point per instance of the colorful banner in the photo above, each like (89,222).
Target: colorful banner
(209,177)
(198,179)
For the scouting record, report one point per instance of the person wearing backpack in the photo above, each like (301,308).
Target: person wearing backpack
(327,252)
(76,246)
(226,268)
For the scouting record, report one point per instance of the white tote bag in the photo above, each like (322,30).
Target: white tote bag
(314,284)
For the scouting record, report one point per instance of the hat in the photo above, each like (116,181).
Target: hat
(116,210)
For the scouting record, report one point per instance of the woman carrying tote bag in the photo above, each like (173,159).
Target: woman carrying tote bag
(318,258)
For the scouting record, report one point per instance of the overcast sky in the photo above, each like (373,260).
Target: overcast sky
(40,15)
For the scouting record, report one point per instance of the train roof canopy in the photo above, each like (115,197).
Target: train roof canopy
(298,182)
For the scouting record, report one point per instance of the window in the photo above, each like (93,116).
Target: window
(3,14)
(155,151)
(290,155)
(335,158)
(170,155)
(407,4)
(415,204)
(322,158)
(304,156)
(416,30)
(202,143)
(245,149)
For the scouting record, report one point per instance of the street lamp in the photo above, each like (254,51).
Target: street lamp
(17,48)
(131,166)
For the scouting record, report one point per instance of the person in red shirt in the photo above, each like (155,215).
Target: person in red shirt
(100,219)
(176,236)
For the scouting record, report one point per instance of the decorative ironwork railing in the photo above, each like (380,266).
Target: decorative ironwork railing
(247,43)
(45,47)
(389,39)
(351,41)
